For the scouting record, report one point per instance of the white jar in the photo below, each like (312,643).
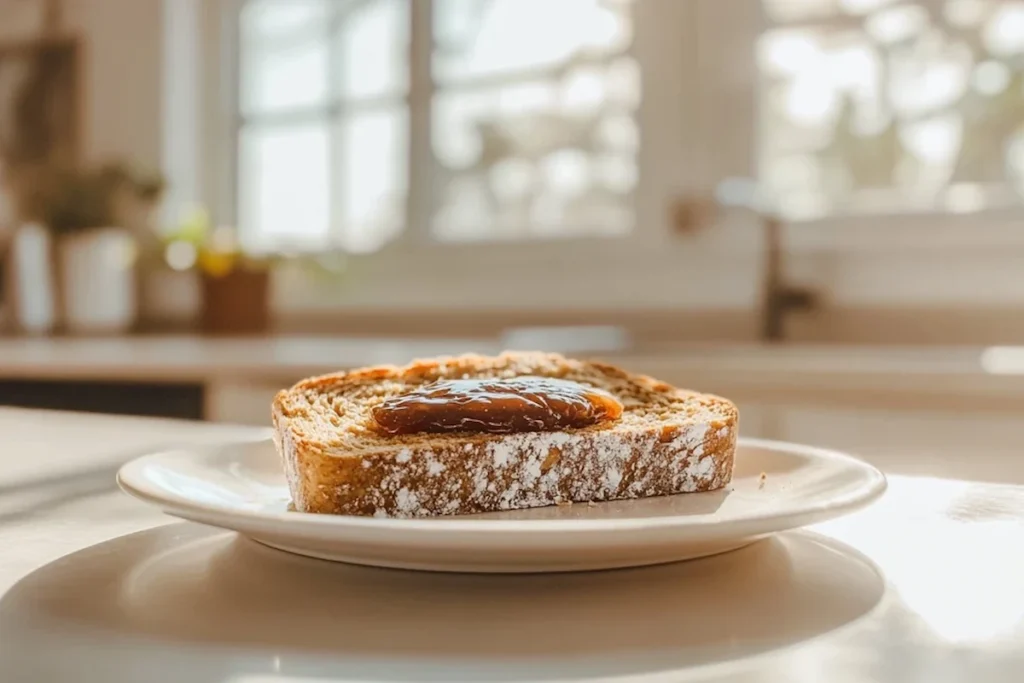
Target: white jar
(32,280)
(98,281)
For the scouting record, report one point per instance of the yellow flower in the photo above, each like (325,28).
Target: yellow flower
(217,264)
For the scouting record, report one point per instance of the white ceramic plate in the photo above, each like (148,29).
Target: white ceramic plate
(776,486)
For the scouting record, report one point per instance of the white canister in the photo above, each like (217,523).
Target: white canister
(98,281)
(33,295)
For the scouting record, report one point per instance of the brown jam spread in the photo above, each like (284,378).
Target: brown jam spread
(496,406)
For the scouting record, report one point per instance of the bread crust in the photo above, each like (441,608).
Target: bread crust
(473,473)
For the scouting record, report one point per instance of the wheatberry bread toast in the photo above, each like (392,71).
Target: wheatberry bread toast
(666,441)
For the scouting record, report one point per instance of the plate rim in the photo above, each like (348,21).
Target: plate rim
(132,482)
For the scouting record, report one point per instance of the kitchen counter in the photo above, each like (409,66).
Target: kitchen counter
(284,358)
(923,585)
(201,359)
(913,409)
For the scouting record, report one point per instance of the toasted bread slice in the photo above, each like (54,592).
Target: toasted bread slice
(667,441)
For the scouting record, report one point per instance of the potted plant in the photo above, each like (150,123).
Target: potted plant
(235,283)
(94,250)
(235,286)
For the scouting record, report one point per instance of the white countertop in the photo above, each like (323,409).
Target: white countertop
(199,359)
(182,602)
(967,371)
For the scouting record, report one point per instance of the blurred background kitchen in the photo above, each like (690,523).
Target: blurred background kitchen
(811,206)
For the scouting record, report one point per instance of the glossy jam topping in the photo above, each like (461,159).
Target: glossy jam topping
(496,406)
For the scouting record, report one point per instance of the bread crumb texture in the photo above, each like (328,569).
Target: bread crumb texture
(667,441)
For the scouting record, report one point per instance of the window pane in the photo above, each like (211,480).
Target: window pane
(373,42)
(270,19)
(373,184)
(479,38)
(550,157)
(885,106)
(284,187)
(282,76)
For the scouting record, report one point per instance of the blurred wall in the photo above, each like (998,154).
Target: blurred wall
(123,43)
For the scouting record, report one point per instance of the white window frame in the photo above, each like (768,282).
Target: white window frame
(694,135)
(421,164)
(651,267)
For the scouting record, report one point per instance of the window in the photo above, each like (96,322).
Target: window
(365,121)
(489,120)
(468,133)
(892,107)
(323,136)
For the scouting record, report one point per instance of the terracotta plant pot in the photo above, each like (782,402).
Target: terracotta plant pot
(236,303)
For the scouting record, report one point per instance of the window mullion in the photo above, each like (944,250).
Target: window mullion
(421,176)
(229,86)
(228,109)
(333,114)
(664,47)
(727,80)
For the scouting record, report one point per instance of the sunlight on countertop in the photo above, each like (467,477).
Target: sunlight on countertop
(1003,360)
(950,523)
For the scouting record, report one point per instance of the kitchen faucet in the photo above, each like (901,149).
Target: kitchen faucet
(779,297)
